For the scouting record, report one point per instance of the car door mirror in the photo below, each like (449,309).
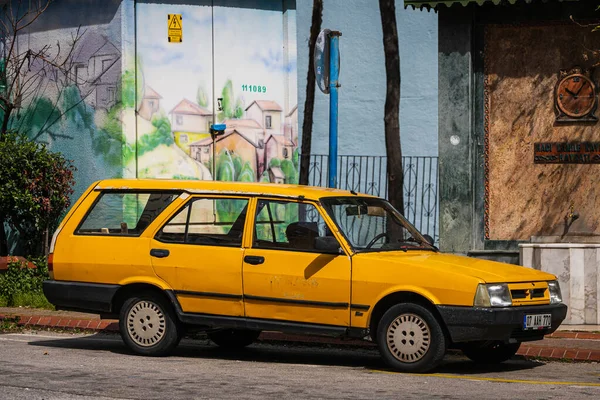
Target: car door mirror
(328,244)
(429,239)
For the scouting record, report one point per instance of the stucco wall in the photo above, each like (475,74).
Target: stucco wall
(362,76)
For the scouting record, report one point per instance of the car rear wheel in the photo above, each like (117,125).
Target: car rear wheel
(233,338)
(410,339)
(490,352)
(148,325)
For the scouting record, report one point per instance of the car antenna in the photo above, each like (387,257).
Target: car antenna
(353,192)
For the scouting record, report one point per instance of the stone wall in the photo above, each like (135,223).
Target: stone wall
(577,266)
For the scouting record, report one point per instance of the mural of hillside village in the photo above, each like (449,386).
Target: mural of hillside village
(250,97)
(260,146)
(146,110)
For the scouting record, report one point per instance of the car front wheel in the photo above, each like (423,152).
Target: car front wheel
(490,352)
(148,325)
(410,339)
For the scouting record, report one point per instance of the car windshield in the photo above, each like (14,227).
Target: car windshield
(372,224)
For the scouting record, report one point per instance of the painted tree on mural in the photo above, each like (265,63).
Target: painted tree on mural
(391,49)
(231,107)
(309,104)
(202,97)
(23,70)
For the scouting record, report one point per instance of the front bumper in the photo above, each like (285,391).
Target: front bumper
(466,324)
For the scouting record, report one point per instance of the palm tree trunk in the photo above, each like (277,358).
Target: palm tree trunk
(309,103)
(395,173)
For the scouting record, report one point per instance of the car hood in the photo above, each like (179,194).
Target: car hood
(488,271)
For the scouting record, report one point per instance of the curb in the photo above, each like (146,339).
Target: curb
(527,351)
(108,325)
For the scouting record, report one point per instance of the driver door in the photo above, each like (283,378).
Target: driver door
(285,276)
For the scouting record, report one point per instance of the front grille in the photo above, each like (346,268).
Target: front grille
(529,293)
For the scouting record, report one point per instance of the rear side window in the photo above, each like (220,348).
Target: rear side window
(209,222)
(124,213)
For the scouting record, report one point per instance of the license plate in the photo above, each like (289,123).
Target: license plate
(537,321)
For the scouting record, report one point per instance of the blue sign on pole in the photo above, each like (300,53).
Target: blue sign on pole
(327,71)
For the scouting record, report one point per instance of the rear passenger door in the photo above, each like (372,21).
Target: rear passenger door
(198,251)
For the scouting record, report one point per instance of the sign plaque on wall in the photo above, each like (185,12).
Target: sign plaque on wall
(566,153)
(175,28)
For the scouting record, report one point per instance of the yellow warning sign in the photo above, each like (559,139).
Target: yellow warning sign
(175,28)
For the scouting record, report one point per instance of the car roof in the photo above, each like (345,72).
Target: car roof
(217,187)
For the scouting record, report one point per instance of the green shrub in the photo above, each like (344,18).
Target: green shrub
(22,286)
(35,189)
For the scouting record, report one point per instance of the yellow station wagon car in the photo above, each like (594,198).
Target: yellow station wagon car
(235,259)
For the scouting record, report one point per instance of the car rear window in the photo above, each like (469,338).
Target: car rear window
(124,213)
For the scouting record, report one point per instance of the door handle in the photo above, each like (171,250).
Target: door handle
(159,253)
(254,260)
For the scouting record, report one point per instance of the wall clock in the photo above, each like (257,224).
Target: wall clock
(575,96)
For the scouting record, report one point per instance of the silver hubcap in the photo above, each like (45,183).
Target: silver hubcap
(146,323)
(408,338)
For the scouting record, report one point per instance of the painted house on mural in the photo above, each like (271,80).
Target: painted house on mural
(278,146)
(150,103)
(290,128)
(267,113)
(243,138)
(97,69)
(190,123)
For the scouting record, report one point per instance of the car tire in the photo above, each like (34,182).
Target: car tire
(410,338)
(490,352)
(233,338)
(149,326)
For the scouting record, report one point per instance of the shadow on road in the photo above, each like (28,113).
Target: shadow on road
(285,353)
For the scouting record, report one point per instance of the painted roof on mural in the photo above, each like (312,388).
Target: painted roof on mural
(189,107)
(90,45)
(150,93)
(281,139)
(249,135)
(235,123)
(277,172)
(292,111)
(196,186)
(266,105)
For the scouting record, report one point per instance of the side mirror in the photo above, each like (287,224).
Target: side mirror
(327,244)
(429,239)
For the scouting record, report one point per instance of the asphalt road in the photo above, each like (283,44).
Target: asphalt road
(49,366)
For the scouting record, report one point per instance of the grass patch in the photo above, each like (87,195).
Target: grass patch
(8,325)
(31,299)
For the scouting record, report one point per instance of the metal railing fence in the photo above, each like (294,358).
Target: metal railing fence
(368,174)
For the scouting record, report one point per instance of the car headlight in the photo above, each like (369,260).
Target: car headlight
(492,295)
(554,290)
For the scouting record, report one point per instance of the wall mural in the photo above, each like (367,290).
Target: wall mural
(135,105)
(77,112)
(254,94)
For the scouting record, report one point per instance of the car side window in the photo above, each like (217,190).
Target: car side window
(288,226)
(124,213)
(208,222)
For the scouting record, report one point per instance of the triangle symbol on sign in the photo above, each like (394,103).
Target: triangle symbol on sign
(174,23)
